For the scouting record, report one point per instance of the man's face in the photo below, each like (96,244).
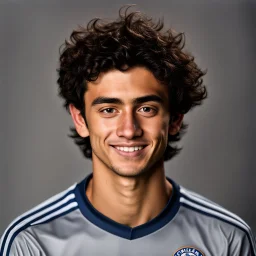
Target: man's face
(128,121)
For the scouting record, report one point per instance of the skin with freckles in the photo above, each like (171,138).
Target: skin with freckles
(128,120)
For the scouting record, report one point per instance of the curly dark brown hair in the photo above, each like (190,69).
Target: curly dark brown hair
(131,40)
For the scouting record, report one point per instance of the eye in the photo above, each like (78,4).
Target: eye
(147,111)
(108,110)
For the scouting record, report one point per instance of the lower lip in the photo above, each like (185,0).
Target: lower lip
(130,154)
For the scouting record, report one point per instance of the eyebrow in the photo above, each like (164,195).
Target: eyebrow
(136,101)
(147,98)
(102,100)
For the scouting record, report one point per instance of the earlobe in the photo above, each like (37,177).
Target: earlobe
(79,121)
(175,125)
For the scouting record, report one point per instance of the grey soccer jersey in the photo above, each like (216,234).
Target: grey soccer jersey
(67,224)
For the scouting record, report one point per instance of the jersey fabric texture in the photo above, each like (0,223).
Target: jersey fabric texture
(67,224)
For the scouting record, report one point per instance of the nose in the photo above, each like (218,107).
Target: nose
(128,126)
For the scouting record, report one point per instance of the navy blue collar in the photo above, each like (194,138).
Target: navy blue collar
(121,230)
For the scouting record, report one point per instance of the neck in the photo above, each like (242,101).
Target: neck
(131,201)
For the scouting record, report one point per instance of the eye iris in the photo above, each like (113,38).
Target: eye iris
(146,109)
(109,110)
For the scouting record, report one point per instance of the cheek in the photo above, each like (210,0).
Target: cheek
(100,129)
(158,133)
(159,128)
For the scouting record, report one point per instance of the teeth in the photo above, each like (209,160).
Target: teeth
(129,149)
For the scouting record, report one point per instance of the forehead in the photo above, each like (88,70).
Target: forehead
(130,84)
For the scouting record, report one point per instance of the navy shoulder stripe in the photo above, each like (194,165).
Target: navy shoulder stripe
(54,204)
(206,207)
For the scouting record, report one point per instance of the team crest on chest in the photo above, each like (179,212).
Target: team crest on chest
(188,251)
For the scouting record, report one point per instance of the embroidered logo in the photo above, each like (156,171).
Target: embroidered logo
(188,251)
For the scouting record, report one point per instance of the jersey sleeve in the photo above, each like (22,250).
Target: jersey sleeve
(24,244)
(242,245)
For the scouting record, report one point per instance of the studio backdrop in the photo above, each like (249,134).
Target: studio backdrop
(38,159)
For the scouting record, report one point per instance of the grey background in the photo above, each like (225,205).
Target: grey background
(38,159)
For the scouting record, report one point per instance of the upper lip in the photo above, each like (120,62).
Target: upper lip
(129,145)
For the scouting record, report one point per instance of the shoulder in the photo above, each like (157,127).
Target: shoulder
(25,244)
(16,238)
(219,220)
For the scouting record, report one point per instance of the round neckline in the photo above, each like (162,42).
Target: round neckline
(115,228)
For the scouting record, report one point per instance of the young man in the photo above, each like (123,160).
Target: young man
(127,85)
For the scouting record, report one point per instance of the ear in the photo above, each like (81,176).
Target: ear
(175,124)
(79,121)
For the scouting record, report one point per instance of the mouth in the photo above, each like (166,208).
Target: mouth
(129,151)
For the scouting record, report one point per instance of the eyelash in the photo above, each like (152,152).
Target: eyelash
(151,112)
(147,108)
(103,110)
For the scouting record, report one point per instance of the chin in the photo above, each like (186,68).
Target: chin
(128,173)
